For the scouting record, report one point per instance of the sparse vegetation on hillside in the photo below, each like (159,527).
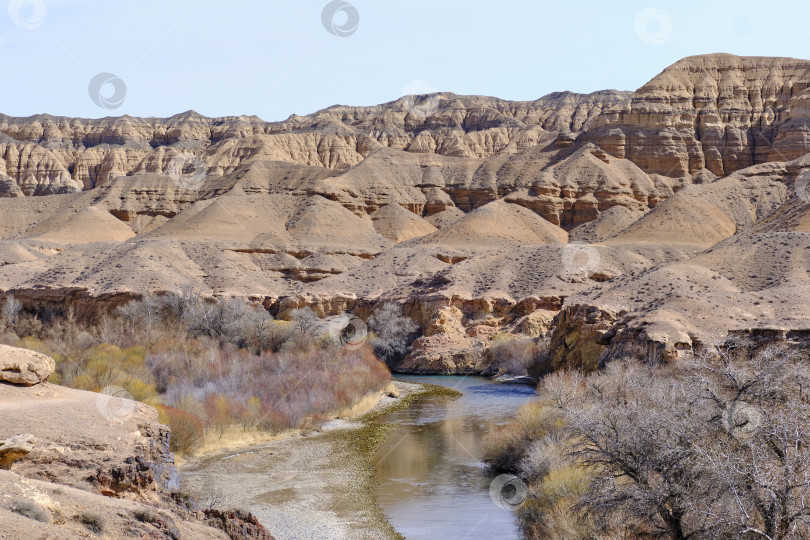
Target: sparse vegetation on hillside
(716,446)
(208,366)
(31,510)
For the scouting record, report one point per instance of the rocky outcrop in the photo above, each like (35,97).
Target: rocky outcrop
(718,112)
(443,355)
(21,366)
(15,448)
(581,335)
(152,468)
(761,336)
(236,524)
(97,467)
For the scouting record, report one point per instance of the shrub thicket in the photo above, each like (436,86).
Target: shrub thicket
(713,446)
(517,355)
(392,331)
(207,365)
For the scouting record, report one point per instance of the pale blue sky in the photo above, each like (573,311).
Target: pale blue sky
(273,58)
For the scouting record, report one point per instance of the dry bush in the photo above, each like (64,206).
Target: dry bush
(187,429)
(549,510)
(10,312)
(108,365)
(28,325)
(535,447)
(94,522)
(506,446)
(717,446)
(510,354)
(271,390)
(393,333)
(30,509)
(213,364)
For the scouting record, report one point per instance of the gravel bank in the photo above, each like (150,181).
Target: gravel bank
(314,486)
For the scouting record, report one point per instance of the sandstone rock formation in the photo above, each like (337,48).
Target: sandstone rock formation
(675,211)
(717,112)
(21,366)
(15,448)
(89,476)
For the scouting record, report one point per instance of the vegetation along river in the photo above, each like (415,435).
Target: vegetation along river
(414,472)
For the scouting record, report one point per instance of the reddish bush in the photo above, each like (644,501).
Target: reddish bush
(187,429)
(273,390)
(216,364)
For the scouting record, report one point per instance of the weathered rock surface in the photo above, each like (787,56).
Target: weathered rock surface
(686,194)
(15,448)
(718,112)
(96,467)
(21,366)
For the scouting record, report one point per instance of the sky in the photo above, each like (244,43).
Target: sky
(274,58)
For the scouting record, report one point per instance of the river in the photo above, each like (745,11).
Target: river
(428,477)
(430,481)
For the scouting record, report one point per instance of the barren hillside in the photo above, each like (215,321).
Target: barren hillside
(669,215)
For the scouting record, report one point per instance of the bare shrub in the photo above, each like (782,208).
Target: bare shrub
(145,314)
(550,506)
(757,454)
(306,320)
(307,327)
(536,447)
(175,315)
(506,445)
(145,516)
(393,333)
(94,522)
(515,355)
(187,429)
(214,365)
(717,446)
(274,390)
(11,310)
(31,510)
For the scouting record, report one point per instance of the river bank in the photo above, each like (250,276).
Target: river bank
(315,485)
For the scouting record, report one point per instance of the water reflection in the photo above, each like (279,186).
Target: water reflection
(431,482)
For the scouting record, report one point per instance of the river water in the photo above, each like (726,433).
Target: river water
(431,483)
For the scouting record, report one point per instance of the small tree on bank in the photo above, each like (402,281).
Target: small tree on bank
(711,447)
(393,333)
(11,311)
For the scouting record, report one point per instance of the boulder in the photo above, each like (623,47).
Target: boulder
(15,448)
(21,366)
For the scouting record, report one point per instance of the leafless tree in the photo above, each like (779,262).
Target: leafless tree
(760,452)
(635,427)
(146,313)
(306,320)
(393,332)
(714,447)
(11,310)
